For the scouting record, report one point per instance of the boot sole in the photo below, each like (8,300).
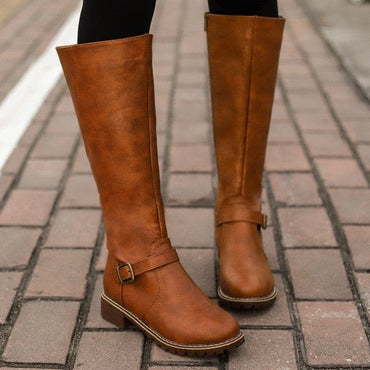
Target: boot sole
(121,317)
(256,303)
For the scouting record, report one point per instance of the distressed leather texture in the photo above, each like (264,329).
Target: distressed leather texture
(111,84)
(243,59)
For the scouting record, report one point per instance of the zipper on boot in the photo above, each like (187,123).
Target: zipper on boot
(206,21)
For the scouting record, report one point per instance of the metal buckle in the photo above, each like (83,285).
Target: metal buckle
(131,271)
(264,221)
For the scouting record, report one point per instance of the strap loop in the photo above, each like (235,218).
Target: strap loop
(240,214)
(127,272)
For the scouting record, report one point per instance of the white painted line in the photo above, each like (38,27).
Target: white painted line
(25,99)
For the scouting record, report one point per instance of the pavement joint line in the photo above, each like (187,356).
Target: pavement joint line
(357,187)
(182,364)
(110,330)
(223,360)
(146,353)
(342,367)
(31,91)
(51,299)
(68,248)
(311,247)
(332,213)
(267,327)
(292,206)
(35,365)
(80,208)
(323,300)
(29,227)
(288,172)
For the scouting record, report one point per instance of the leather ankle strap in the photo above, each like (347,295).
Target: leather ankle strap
(127,272)
(232,213)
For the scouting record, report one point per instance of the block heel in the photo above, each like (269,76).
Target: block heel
(113,315)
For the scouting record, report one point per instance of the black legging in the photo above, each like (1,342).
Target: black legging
(114,19)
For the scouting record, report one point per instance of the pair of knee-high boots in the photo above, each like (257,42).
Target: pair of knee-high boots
(111,84)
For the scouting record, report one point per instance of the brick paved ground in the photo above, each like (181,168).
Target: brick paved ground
(316,192)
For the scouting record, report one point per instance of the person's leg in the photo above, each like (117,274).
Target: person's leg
(114,19)
(263,8)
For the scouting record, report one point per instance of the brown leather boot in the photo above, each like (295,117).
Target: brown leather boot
(243,59)
(111,84)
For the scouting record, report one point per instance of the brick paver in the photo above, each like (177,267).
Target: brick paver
(66,230)
(318,274)
(364,286)
(358,238)
(352,205)
(314,122)
(112,350)
(42,174)
(357,130)
(54,146)
(42,332)
(190,189)
(316,193)
(333,334)
(288,157)
(364,152)
(200,264)
(28,207)
(306,226)
(194,158)
(16,245)
(326,145)
(295,189)
(81,163)
(340,172)
(273,349)
(189,227)
(80,192)
(60,273)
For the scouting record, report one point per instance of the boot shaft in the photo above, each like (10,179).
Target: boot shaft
(111,85)
(243,60)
